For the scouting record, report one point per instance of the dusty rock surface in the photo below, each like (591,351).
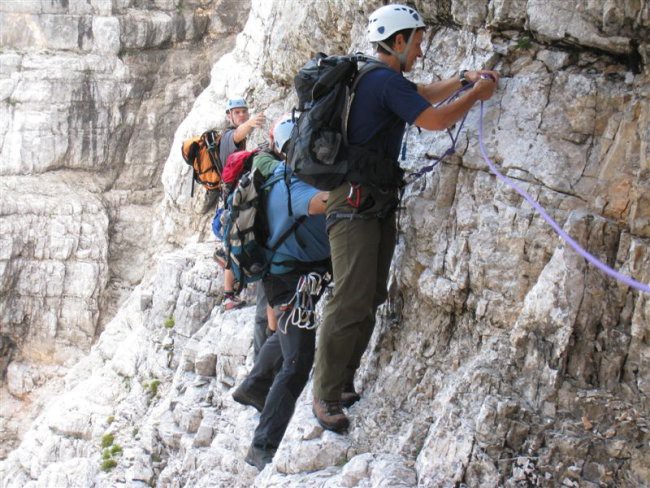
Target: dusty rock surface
(501,358)
(91,94)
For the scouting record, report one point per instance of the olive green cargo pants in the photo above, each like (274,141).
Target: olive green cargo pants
(362,250)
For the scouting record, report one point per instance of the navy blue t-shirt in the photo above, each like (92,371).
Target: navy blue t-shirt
(384,98)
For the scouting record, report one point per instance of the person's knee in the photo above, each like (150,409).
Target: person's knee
(297,370)
(351,312)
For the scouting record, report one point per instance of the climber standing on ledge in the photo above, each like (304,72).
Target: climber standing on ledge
(362,245)
(234,139)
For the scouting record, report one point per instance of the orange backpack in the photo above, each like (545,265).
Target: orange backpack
(202,153)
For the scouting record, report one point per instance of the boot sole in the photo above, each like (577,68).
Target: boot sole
(331,427)
(347,403)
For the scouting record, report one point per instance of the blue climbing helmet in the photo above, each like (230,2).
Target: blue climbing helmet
(235,103)
(282,133)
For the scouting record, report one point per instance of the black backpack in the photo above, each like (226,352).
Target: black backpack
(317,152)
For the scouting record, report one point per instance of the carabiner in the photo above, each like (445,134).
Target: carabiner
(354,196)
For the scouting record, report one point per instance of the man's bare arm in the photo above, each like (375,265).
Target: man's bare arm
(318,203)
(243,131)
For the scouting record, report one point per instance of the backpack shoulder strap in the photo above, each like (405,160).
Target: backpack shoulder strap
(212,139)
(272,180)
(285,235)
(369,64)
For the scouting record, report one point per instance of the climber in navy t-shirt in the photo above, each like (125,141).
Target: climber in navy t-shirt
(361,211)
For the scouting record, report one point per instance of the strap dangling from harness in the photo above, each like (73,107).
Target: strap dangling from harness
(354,196)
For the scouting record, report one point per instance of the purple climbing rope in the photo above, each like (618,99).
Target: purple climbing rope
(579,249)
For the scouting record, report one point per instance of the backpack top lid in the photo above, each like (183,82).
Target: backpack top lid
(236,164)
(321,73)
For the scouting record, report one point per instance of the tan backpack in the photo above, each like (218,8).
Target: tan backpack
(202,153)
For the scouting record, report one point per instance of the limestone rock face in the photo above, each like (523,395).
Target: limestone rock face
(54,267)
(90,96)
(502,358)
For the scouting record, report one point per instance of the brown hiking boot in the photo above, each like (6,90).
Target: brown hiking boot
(349,398)
(329,415)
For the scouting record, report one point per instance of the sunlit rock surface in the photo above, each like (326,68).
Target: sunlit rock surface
(501,358)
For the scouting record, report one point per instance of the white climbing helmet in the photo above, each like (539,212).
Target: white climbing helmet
(282,133)
(389,19)
(235,103)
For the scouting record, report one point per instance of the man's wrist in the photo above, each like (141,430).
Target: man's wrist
(464,81)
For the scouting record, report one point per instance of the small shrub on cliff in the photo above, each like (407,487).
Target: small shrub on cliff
(152,387)
(108,464)
(110,450)
(107,440)
(169,323)
(524,43)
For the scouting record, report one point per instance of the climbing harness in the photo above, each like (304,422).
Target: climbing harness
(302,306)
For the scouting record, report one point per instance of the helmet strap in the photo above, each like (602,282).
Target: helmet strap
(401,57)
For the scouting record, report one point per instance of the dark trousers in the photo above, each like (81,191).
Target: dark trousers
(261,331)
(267,363)
(296,354)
